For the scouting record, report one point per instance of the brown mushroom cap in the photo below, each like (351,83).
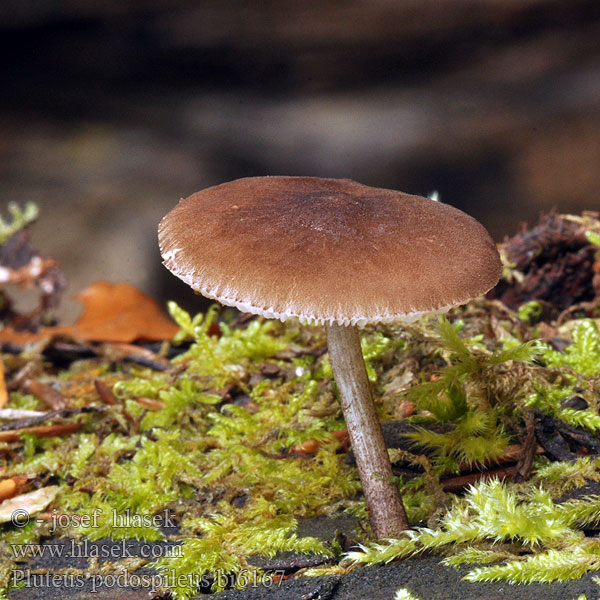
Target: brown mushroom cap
(327,250)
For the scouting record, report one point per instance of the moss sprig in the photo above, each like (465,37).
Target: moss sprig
(582,355)
(475,394)
(19,218)
(222,542)
(542,540)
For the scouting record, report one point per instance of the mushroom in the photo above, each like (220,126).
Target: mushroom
(338,253)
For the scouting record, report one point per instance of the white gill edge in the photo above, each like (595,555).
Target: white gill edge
(225,297)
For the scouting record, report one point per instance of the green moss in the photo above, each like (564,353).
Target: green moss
(24,401)
(477,395)
(226,357)
(87,446)
(561,477)
(175,399)
(472,395)
(198,453)
(18,219)
(374,347)
(593,237)
(545,567)
(545,543)
(222,542)
(530,312)
(217,454)
(137,488)
(582,355)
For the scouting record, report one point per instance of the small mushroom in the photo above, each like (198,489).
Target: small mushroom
(338,253)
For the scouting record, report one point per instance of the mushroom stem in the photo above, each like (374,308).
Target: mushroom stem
(386,511)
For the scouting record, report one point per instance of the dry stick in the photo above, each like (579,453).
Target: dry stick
(41,431)
(105,393)
(46,393)
(150,403)
(528,449)
(107,396)
(136,354)
(47,416)
(386,511)
(459,483)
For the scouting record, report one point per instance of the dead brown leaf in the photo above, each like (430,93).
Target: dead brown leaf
(3,391)
(8,488)
(112,312)
(27,504)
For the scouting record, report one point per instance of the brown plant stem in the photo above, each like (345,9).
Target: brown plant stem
(41,431)
(386,511)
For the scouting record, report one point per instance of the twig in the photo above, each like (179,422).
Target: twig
(47,394)
(42,417)
(529,447)
(135,354)
(456,484)
(41,431)
(105,393)
(17,413)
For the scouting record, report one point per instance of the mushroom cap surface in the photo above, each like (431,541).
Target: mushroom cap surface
(327,250)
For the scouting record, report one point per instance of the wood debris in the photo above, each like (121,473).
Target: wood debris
(554,262)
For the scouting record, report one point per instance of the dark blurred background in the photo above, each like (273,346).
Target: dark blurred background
(111,111)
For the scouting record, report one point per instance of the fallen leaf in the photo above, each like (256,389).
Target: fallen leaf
(112,312)
(119,312)
(3,392)
(27,504)
(8,487)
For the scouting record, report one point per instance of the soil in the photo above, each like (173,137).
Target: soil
(425,576)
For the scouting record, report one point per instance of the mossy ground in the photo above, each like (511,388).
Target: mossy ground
(234,442)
